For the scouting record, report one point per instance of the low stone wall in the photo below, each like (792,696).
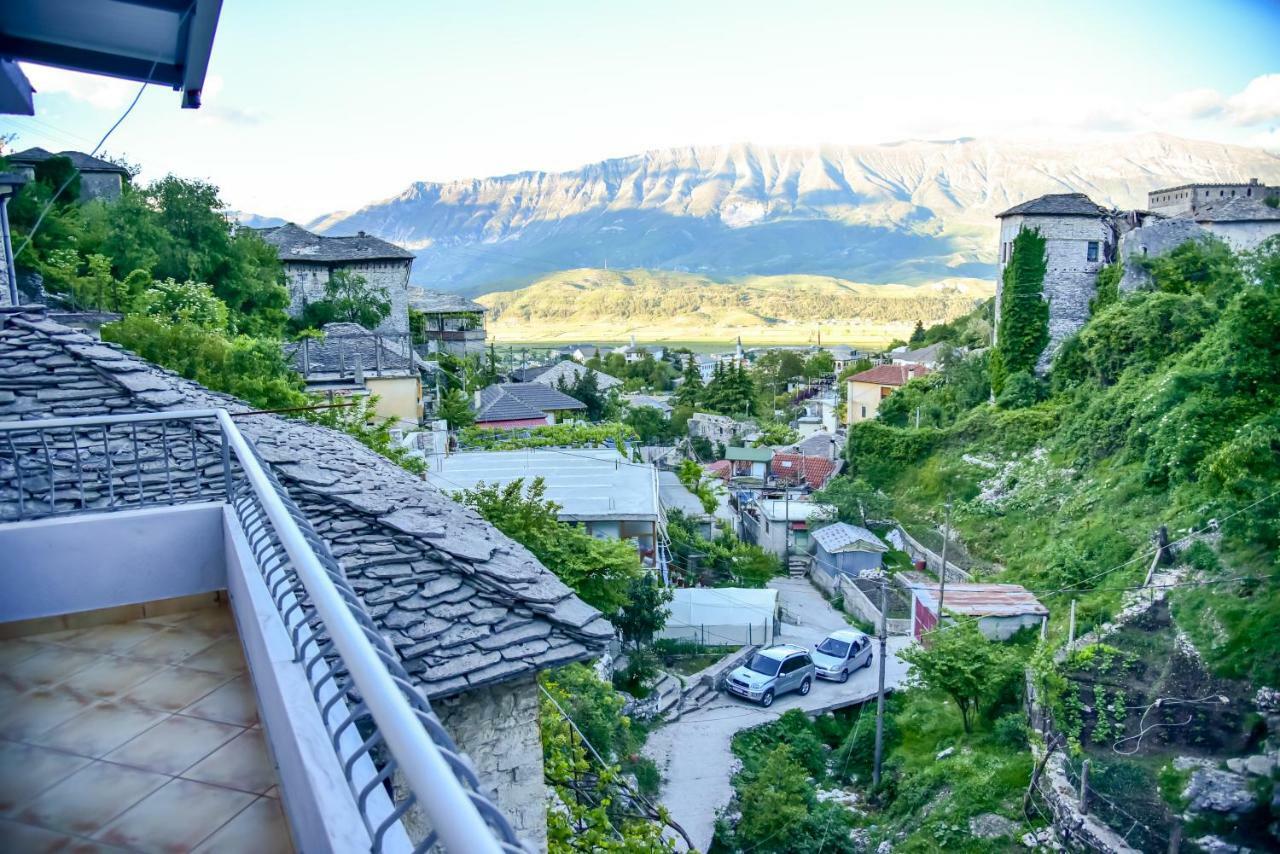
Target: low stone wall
(713,676)
(919,551)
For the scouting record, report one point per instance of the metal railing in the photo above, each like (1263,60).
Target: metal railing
(62,466)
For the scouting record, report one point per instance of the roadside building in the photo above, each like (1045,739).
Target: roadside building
(706,365)
(99,179)
(311,260)
(842,356)
(1002,609)
(865,390)
(506,406)
(348,360)
(844,549)
(447,323)
(598,488)
(781,527)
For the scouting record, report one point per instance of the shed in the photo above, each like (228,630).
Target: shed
(846,549)
(722,616)
(749,462)
(1002,609)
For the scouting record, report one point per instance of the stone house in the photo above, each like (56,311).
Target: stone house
(1079,241)
(715,428)
(865,390)
(447,323)
(783,527)
(348,360)
(1189,199)
(99,179)
(471,614)
(311,259)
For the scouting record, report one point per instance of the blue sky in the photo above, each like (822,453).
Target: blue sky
(318,106)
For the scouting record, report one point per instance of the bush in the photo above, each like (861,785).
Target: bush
(1011,731)
(642,667)
(1020,390)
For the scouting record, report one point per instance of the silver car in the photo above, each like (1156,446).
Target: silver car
(841,653)
(771,672)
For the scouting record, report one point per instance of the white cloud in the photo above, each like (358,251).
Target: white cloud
(1258,103)
(1192,104)
(104,92)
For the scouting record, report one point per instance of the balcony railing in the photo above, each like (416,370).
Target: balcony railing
(59,467)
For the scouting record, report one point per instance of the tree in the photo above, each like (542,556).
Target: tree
(1024,315)
(959,661)
(689,393)
(645,612)
(349,298)
(600,571)
(856,501)
(777,799)
(819,364)
(650,424)
(183,302)
(586,389)
(455,408)
(917,335)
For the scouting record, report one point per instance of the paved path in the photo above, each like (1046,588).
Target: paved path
(693,753)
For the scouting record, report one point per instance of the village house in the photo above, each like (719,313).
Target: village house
(719,429)
(789,470)
(633,352)
(844,549)
(446,323)
(866,389)
(99,179)
(928,356)
(598,488)
(507,406)
(568,372)
(781,526)
(748,464)
(348,360)
(310,260)
(1002,610)
(461,615)
(825,445)
(842,356)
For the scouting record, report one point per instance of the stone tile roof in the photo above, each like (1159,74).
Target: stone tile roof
(464,605)
(1239,209)
(894,375)
(569,371)
(531,397)
(337,352)
(1057,204)
(821,444)
(439,302)
(83,162)
(497,404)
(294,243)
(528,375)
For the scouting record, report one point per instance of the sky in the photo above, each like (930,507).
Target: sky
(317,106)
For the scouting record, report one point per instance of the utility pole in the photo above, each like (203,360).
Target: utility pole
(946,537)
(1071,631)
(884,643)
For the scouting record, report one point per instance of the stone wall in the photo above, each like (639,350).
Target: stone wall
(497,726)
(307,281)
(1149,241)
(1070,280)
(1242,236)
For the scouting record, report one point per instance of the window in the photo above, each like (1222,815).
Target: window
(1093,250)
(864,412)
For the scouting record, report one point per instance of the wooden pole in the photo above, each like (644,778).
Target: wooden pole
(1071,626)
(1084,787)
(946,538)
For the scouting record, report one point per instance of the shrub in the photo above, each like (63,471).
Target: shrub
(1010,731)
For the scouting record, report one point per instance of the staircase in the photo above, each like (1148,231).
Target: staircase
(798,566)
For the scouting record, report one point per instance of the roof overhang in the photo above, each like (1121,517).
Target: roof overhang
(15,90)
(155,41)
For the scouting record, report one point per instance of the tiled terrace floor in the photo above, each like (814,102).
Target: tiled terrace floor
(140,736)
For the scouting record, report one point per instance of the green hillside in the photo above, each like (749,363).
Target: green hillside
(653,305)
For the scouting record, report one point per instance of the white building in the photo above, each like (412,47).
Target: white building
(782,526)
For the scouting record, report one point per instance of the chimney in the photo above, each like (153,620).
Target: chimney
(361,234)
(357,369)
(476,398)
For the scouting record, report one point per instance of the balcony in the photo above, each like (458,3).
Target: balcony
(186,666)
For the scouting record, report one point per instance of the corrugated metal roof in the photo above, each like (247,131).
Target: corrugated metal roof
(748,455)
(982,600)
(841,536)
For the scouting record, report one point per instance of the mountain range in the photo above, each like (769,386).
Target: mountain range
(908,212)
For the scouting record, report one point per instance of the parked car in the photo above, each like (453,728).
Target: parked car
(841,653)
(773,671)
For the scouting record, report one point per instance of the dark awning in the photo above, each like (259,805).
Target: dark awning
(159,41)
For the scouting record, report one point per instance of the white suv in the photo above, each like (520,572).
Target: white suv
(771,672)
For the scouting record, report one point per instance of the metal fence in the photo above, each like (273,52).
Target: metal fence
(64,466)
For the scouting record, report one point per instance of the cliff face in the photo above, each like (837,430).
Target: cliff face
(907,212)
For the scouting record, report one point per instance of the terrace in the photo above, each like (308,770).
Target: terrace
(187,665)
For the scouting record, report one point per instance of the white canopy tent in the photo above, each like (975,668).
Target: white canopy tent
(722,616)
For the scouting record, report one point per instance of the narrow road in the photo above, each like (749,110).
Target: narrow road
(693,753)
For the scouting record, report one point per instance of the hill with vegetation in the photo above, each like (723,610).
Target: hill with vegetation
(1163,412)
(589,304)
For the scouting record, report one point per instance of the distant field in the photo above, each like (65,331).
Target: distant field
(694,346)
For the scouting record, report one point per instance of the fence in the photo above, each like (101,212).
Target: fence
(375,717)
(721,634)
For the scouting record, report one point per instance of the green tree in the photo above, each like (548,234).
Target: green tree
(349,298)
(819,364)
(918,336)
(689,392)
(1024,315)
(645,611)
(959,661)
(598,570)
(650,424)
(1108,290)
(776,800)
(856,501)
(183,302)
(455,408)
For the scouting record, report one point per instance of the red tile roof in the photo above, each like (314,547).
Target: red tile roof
(720,469)
(815,470)
(894,375)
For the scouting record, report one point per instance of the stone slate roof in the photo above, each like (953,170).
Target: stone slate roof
(528,375)
(439,302)
(463,605)
(83,162)
(1239,209)
(569,371)
(294,243)
(1057,204)
(336,353)
(521,401)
